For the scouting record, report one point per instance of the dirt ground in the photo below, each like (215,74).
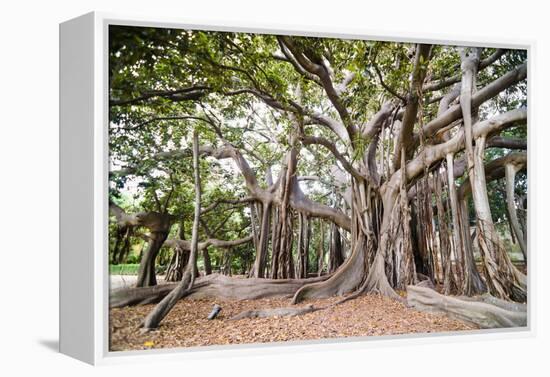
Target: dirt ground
(187,325)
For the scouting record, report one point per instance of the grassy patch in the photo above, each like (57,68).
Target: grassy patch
(124,269)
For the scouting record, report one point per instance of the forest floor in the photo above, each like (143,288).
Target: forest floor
(187,326)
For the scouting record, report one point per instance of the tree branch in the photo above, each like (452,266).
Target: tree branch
(432,86)
(491,90)
(183,94)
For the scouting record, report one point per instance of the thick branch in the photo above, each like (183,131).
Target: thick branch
(185,94)
(405,138)
(434,153)
(496,170)
(454,112)
(507,142)
(312,65)
(226,201)
(448,81)
(309,140)
(186,245)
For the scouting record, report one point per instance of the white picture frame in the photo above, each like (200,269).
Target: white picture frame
(84,183)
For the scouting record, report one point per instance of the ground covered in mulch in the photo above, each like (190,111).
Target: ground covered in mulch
(187,324)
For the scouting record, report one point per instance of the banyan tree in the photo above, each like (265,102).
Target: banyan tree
(354,166)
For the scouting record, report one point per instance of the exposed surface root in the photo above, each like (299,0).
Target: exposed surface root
(214,286)
(345,280)
(485,311)
(276,312)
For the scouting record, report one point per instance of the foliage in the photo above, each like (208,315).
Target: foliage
(238,88)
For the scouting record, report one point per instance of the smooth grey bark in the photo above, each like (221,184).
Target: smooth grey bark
(485,312)
(213,286)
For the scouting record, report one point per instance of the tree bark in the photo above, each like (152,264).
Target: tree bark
(207,262)
(336,257)
(449,279)
(511,171)
(261,250)
(213,286)
(455,216)
(321,248)
(146,273)
(502,277)
(487,312)
(303,245)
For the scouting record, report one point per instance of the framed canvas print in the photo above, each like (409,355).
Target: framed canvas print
(227,187)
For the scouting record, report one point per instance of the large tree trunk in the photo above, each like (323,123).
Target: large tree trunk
(303,245)
(275,248)
(336,256)
(449,279)
(180,257)
(321,248)
(207,262)
(403,251)
(146,273)
(426,262)
(458,246)
(284,233)
(258,269)
(473,283)
(365,268)
(177,264)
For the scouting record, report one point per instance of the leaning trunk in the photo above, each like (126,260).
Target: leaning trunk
(146,274)
(163,308)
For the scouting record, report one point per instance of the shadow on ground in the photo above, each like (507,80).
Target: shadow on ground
(52,345)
